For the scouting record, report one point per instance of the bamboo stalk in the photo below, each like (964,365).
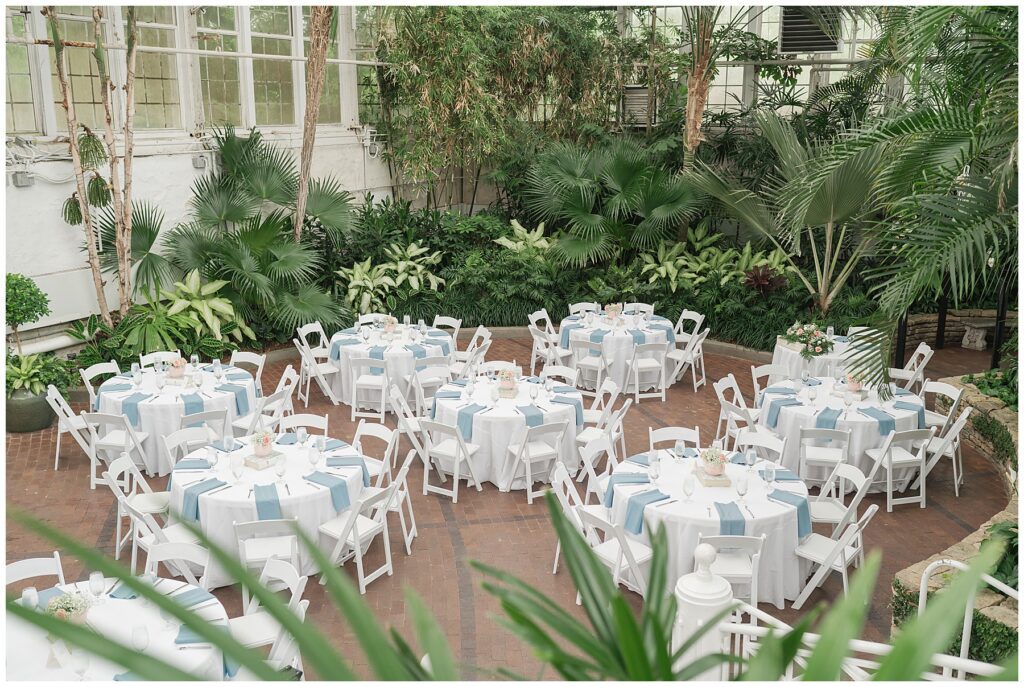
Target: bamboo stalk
(50,12)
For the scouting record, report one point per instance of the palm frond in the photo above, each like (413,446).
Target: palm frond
(217,201)
(332,205)
(306,303)
(271,177)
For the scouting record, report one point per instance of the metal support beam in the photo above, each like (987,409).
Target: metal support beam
(900,353)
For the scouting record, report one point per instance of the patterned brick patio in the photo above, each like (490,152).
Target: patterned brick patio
(499,528)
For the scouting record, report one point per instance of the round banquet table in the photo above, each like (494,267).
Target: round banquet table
(399,353)
(865,432)
(32,656)
(218,509)
(502,424)
(619,340)
(786,357)
(159,412)
(781,572)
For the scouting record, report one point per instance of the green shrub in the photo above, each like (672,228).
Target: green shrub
(1006,569)
(996,384)
(26,303)
(1003,448)
(36,372)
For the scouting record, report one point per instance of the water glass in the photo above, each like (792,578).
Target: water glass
(750,457)
(80,663)
(830,331)
(313,456)
(812,393)
(160,381)
(137,379)
(211,456)
(237,467)
(689,485)
(301,435)
(136,368)
(197,379)
(679,448)
(194,359)
(280,467)
(654,469)
(741,485)
(769,472)
(140,637)
(804,376)
(533,392)
(29,597)
(97,583)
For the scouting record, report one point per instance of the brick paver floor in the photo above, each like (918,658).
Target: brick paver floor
(497,528)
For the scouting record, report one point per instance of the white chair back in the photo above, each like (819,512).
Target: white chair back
(35,567)
(277,572)
(180,556)
(953,395)
(177,445)
(493,367)
(147,359)
(214,420)
(92,372)
(638,309)
(289,423)
(255,360)
(542,321)
(580,308)
(768,446)
(452,323)
(685,317)
(768,373)
(689,436)
(559,372)
(306,334)
(602,529)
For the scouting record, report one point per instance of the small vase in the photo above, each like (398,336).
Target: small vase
(176,372)
(714,469)
(854,384)
(261,450)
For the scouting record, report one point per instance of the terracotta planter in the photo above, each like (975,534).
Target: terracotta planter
(28,412)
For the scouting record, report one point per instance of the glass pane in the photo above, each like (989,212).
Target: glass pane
(221,102)
(83,76)
(216,17)
(272,82)
(369,95)
(275,20)
(21,116)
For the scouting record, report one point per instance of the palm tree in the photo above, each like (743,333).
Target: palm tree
(609,200)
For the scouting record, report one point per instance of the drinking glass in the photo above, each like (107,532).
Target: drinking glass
(494,395)
(313,456)
(194,359)
(406,320)
(280,468)
(321,444)
(847,401)
(654,469)
(804,376)
(237,467)
(812,393)
(769,472)
(197,379)
(689,484)
(80,663)
(136,368)
(97,583)
(140,637)
(750,458)
(211,456)
(301,435)
(830,331)
(218,373)
(533,392)
(741,485)
(136,379)
(679,448)
(29,597)
(160,381)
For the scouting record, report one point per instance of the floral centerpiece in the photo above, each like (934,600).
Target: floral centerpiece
(712,461)
(390,322)
(507,384)
(613,310)
(810,338)
(71,607)
(262,443)
(854,382)
(177,369)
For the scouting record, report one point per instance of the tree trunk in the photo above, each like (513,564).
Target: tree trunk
(319,34)
(698,83)
(50,12)
(123,273)
(650,69)
(125,257)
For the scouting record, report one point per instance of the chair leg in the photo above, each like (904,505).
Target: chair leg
(56,454)
(359,568)
(558,552)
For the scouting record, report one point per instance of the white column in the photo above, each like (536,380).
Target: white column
(700,596)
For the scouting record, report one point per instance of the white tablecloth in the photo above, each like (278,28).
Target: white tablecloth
(161,413)
(218,510)
(494,430)
(864,431)
(781,573)
(786,356)
(29,651)
(399,361)
(618,342)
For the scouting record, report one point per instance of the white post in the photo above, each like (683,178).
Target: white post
(700,596)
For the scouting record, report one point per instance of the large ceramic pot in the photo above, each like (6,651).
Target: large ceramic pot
(28,412)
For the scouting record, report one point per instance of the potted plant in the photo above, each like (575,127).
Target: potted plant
(27,378)
(26,303)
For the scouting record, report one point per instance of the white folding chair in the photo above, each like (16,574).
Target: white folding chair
(690,357)
(542,321)
(112,434)
(181,559)
(147,532)
(903,451)
(259,419)
(600,408)
(953,396)
(559,372)
(307,421)
(479,338)
(315,370)
(540,445)
(737,419)
(92,372)
(830,506)
(145,360)
(370,376)
(648,362)
(256,360)
(355,529)
(179,444)
(582,308)
(479,354)
(544,349)
(67,422)
(912,374)
(947,446)
(626,558)
(769,373)
(727,390)
(370,318)
(569,500)
(834,449)
(684,331)
(315,339)
(452,323)
(256,627)
(259,541)
(377,467)
(638,309)
(125,480)
(597,481)
(833,554)
(408,423)
(29,568)
(767,446)
(493,367)
(214,420)
(291,380)
(448,453)
(592,364)
(425,383)
(689,436)
(738,561)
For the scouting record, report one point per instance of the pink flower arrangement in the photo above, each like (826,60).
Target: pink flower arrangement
(713,461)
(262,442)
(810,338)
(613,310)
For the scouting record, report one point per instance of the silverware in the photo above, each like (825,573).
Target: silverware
(287,489)
(709,511)
(665,503)
(214,491)
(749,511)
(250,494)
(194,646)
(318,486)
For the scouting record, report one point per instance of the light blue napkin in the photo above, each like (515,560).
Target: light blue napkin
(534,415)
(899,391)
(839,338)
(660,318)
(597,336)
(639,459)
(803,511)
(417,352)
(779,390)
(241,397)
(192,597)
(782,475)
(335,354)
(564,334)
(775,406)
(190,500)
(44,597)
(443,343)
(338,487)
(193,404)
(670,333)
(241,376)
(268,503)
(332,444)
(563,389)
(350,330)
(287,439)
(227,444)
(635,509)
(730,519)
(433,331)
(622,478)
(465,420)
(127,677)
(130,407)
(192,464)
(108,387)
(886,423)
(187,635)
(448,394)
(573,317)
(377,353)
(639,337)
(919,409)
(123,591)
(827,418)
(565,400)
(738,458)
(350,461)
(533,380)
(813,381)
(458,382)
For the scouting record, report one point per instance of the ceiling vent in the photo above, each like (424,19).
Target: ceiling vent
(800,34)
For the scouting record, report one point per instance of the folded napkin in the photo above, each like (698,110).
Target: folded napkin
(812,381)
(287,439)
(350,461)
(45,596)
(268,502)
(622,478)
(241,397)
(192,597)
(443,343)
(187,635)
(123,591)
(433,331)
(670,333)
(564,333)
(635,509)
(738,458)
(639,459)
(448,394)
(885,421)
(775,406)
(417,352)
(533,380)
(127,677)
(690,452)
(534,415)
(227,444)
(899,391)
(377,353)
(803,511)
(240,376)
(730,519)
(779,390)
(839,338)
(193,404)
(573,317)
(105,388)
(335,353)
(332,444)
(465,419)
(659,317)
(782,475)
(917,408)
(827,418)
(130,407)
(190,500)
(563,389)
(350,330)
(597,336)
(458,382)
(338,487)
(192,464)
(639,337)
(565,400)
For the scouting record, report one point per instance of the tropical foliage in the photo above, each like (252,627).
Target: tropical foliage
(206,311)
(25,303)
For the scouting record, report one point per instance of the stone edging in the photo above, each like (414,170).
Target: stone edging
(988,408)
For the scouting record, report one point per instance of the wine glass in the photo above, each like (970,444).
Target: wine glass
(494,395)
(160,381)
(741,485)
(689,484)
(301,434)
(847,401)
(194,359)
(80,663)
(313,456)
(140,637)
(769,473)
(136,378)
(97,583)
(830,331)
(237,467)
(654,468)
(136,368)
(679,449)
(197,378)
(29,597)
(280,467)
(750,457)
(533,392)
(211,456)
(804,376)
